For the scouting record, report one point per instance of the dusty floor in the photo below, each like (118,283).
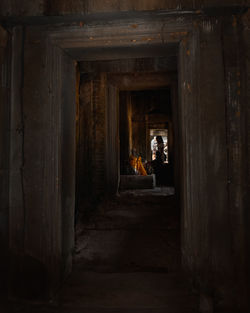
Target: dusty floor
(127,261)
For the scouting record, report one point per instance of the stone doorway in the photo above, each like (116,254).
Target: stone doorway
(48,104)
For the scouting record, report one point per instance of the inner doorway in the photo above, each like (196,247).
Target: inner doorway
(146,138)
(163,133)
(130,236)
(75,49)
(128,252)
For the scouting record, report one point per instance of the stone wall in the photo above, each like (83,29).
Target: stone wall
(214,93)
(246,100)
(65,7)
(41,165)
(96,121)
(4,147)
(213,132)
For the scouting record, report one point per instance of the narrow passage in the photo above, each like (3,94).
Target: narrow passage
(127,260)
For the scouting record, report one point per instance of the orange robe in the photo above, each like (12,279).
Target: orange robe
(136,163)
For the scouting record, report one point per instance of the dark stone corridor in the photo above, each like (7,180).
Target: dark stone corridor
(127,259)
(98,96)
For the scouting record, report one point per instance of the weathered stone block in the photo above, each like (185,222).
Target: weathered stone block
(136,182)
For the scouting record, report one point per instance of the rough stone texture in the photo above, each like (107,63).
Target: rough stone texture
(237,159)
(142,81)
(27,8)
(63,7)
(4,148)
(29,164)
(246,47)
(68,159)
(112,156)
(136,182)
(214,229)
(164,64)
(99,132)
(245,78)
(93,137)
(130,237)
(85,143)
(125,129)
(218,255)
(140,233)
(203,156)
(42,166)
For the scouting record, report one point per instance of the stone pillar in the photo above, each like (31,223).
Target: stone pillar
(4,150)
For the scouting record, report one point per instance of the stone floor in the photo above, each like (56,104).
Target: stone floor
(127,260)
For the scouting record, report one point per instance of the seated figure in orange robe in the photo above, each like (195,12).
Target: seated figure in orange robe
(136,164)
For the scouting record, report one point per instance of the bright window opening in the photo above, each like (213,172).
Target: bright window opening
(159,144)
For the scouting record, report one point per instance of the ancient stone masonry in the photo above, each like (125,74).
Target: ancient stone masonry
(236,111)
(99,109)
(202,45)
(66,7)
(231,159)
(4,145)
(245,81)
